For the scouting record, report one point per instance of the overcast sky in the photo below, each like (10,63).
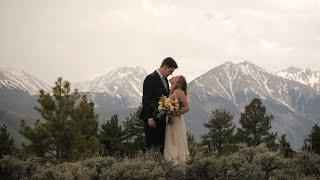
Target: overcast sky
(82,39)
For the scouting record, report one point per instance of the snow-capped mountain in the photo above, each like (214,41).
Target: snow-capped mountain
(232,86)
(124,83)
(294,104)
(12,78)
(235,81)
(18,96)
(116,92)
(306,76)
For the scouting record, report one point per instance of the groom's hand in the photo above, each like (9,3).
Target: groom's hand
(151,122)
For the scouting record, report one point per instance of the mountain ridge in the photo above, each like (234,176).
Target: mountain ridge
(13,78)
(230,86)
(308,76)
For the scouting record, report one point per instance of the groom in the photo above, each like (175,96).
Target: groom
(156,85)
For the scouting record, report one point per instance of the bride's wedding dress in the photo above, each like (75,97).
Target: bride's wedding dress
(175,143)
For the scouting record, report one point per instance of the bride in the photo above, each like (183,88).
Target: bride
(175,144)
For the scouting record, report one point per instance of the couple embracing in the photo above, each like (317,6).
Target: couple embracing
(168,138)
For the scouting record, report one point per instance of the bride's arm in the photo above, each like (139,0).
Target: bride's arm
(181,95)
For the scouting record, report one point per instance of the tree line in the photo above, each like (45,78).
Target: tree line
(69,131)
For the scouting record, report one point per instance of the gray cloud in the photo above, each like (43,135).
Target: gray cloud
(80,39)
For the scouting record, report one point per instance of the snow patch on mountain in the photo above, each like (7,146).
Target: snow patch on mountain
(122,83)
(13,78)
(308,76)
(232,86)
(233,81)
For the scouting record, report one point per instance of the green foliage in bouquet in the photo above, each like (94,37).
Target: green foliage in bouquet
(169,107)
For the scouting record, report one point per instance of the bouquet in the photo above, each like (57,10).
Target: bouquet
(170,106)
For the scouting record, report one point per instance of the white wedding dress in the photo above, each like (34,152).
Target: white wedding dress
(175,143)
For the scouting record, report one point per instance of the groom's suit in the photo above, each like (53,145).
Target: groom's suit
(153,89)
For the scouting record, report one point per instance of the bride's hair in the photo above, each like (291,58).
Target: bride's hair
(182,84)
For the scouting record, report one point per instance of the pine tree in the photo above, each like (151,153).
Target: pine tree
(134,133)
(68,129)
(193,146)
(256,125)
(112,136)
(220,138)
(190,137)
(271,141)
(6,142)
(285,149)
(312,142)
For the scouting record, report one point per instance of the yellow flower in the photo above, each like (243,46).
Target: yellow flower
(167,103)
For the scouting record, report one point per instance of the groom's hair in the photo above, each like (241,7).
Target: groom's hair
(170,62)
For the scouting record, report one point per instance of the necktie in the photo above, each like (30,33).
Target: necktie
(165,82)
